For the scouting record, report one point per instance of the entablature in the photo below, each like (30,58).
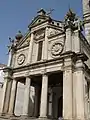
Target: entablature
(56,64)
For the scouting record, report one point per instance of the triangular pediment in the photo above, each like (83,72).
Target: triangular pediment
(24,41)
(39,20)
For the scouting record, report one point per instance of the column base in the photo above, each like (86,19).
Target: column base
(75,119)
(43,118)
(25,117)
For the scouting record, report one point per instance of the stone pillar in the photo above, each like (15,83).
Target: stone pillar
(68,39)
(30,49)
(6,93)
(26,96)
(76,39)
(44,95)
(45,50)
(79,91)
(67,90)
(36,106)
(13,98)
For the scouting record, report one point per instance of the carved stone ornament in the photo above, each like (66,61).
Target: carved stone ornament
(53,32)
(39,34)
(56,49)
(21,59)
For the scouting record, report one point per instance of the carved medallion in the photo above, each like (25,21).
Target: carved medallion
(56,48)
(21,59)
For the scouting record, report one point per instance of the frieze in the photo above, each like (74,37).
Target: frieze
(53,32)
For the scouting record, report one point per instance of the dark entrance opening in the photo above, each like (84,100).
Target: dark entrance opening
(60,107)
(56,83)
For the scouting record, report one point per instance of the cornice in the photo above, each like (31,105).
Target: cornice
(22,47)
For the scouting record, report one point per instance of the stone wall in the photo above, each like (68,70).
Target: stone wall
(20,100)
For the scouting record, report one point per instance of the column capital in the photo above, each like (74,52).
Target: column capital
(79,65)
(44,72)
(8,72)
(27,74)
(68,63)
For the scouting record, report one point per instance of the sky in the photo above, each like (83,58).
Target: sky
(16,15)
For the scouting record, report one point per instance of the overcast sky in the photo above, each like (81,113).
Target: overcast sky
(15,15)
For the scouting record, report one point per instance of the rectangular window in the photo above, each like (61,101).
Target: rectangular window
(39,50)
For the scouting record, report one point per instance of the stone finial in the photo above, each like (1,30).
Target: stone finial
(41,12)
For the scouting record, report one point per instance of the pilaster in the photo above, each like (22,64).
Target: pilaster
(45,50)
(9,59)
(68,43)
(13,97)
(79,90)
(76,41)
(6,90)
(67,90)
(30,49)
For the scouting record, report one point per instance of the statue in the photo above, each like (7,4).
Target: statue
(73,21)
(12,45)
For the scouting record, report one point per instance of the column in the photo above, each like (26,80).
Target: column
(79,80)
(36,106)
(44,93)
(6,95)
(26,96)
(30,49)
(67,90)
(13,97)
